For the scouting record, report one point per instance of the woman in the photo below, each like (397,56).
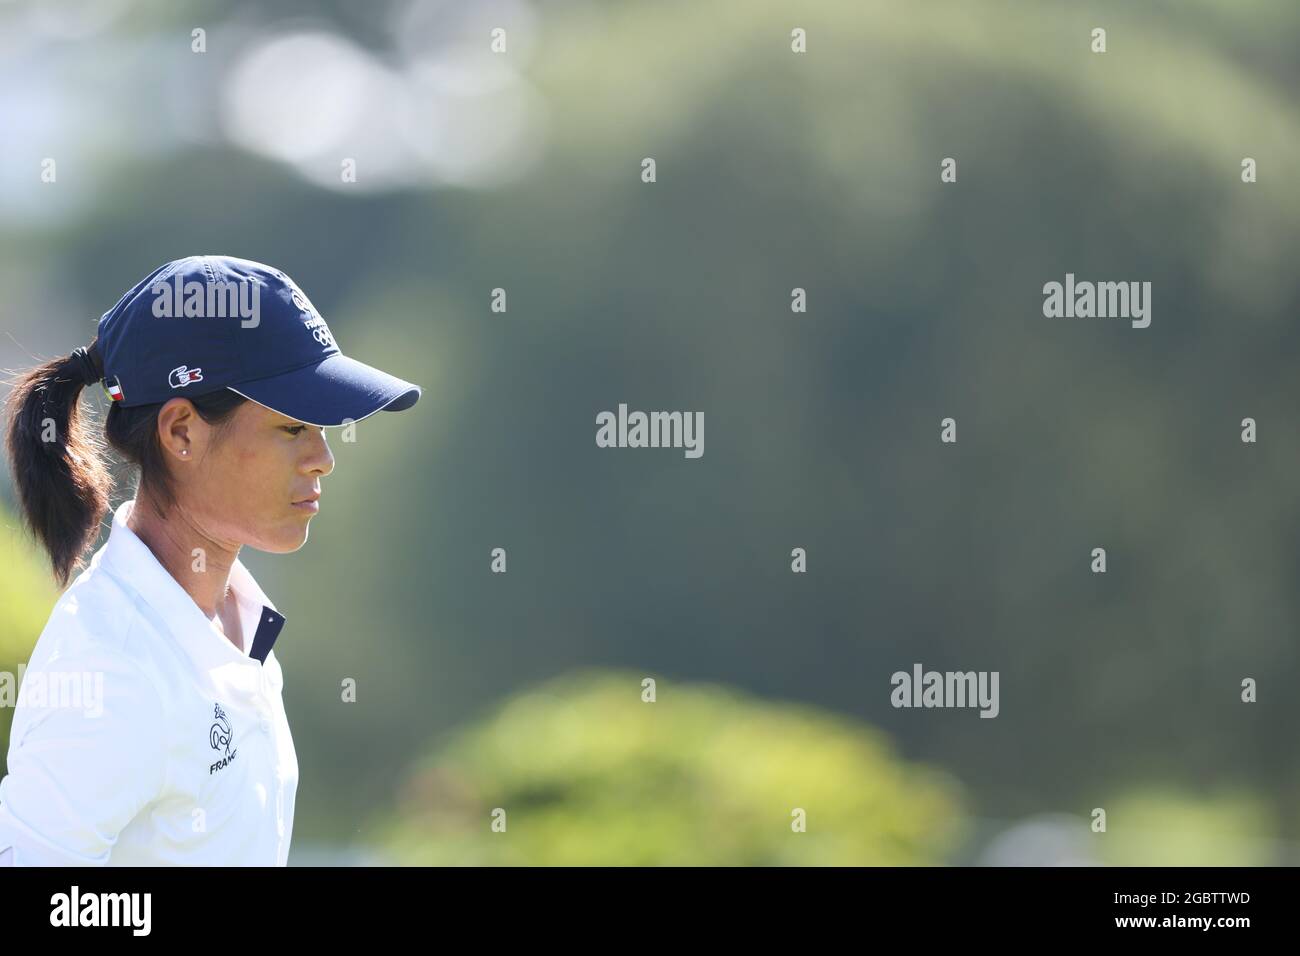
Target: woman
(150,727)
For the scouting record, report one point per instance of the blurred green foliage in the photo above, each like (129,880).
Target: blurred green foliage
(1164,826)
(27,593)
(590,774)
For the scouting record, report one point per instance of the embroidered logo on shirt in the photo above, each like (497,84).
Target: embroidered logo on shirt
(222,737)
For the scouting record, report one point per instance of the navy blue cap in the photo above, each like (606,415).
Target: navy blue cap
(207,323)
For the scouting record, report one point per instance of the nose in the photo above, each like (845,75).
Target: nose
(319,460)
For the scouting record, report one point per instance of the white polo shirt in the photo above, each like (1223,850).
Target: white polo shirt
(142,735)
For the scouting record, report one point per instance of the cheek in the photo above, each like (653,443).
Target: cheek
(252,474)
(245,457)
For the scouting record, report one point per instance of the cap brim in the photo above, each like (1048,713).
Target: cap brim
(331,392)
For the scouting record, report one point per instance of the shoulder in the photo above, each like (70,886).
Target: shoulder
(96,637)
(95,615)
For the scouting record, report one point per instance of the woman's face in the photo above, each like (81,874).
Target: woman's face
(241,482)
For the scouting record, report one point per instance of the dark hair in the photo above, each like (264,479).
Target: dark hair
(63,479)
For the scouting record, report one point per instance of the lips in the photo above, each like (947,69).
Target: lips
(310,503)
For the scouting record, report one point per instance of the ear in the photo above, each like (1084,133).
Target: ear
(176,421)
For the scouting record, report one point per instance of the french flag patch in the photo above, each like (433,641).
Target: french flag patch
(114,390)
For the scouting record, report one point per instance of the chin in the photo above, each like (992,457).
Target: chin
(286,542)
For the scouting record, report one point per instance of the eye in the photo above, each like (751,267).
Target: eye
(294,430)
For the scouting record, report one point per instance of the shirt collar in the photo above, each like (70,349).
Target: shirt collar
(129,560)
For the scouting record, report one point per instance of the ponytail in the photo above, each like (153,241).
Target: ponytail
(59,466)
(57,463)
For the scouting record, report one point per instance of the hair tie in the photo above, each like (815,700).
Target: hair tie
(85,359)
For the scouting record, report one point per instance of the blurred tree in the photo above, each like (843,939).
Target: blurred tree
(27,593)
(1163,826)
(590,774)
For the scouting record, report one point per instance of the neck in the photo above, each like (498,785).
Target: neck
(173,541)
